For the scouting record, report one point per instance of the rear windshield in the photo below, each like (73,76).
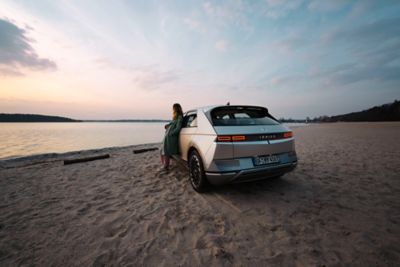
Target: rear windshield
(237,115)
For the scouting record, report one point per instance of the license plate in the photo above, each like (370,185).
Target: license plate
(263,160)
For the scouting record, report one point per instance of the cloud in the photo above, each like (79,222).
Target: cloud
(281,8)
(229,13)
(318,5)
(7,71)
(372,53)
(151,78)
(16,51)
(226,12)
(359,73)
(380,55)
(194,25)
(284,80)
(377,31)
(290,43)
(374,43)
(362,7)
(221,45)
(346,73)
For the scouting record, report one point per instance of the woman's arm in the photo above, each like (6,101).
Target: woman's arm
(176,127)
(166,126)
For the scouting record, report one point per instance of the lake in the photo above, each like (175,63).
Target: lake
(25,139)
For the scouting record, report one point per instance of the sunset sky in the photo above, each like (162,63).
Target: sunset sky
(98,59)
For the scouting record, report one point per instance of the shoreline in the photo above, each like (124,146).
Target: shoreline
(15,162)
(18,161)
(46,156)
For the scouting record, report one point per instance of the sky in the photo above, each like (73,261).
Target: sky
(99,59)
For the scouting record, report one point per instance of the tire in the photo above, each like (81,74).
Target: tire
(197,176)
(277,177)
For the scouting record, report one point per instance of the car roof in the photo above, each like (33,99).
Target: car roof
(205,109)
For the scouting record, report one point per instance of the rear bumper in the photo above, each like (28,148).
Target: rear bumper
(247,175)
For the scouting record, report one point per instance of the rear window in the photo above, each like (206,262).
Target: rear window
(237,115)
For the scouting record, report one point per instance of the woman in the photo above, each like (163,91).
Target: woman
(171,139)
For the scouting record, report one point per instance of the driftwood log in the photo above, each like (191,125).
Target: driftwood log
(72,161)
(137,151)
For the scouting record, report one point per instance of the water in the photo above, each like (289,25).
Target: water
(23,139)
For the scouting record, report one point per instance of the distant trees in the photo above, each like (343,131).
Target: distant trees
(386,112)
(33,118)
(290,120)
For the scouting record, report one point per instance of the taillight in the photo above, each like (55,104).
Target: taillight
(224,138)
(236,138)
(288,135)
(231,138)
(254,137)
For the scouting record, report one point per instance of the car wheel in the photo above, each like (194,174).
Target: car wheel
(276,177)
(197,176)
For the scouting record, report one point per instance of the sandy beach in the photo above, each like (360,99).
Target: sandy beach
(340,207)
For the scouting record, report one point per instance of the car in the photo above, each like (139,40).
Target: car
(234,143)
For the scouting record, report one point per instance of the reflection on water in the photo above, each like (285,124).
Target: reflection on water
(23,139)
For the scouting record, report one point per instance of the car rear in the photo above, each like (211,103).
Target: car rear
(250,144)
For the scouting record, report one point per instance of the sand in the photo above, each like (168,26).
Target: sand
(340,207)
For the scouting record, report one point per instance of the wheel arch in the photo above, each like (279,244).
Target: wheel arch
(191,149)
(205,183)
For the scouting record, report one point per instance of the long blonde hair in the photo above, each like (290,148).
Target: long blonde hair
(177,111)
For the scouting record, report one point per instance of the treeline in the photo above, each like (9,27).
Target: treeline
(33,118)
(386,112)
(290,120)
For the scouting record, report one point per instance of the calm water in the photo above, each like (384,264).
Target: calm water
(23,139)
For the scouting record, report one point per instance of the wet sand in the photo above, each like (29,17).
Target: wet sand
(340,207)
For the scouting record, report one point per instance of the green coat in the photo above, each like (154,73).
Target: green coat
(171,138)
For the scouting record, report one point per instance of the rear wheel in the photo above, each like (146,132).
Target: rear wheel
(277,176)
(197,176)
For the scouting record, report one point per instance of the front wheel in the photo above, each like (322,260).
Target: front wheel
(197,176)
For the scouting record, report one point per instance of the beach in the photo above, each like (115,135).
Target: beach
(339,207)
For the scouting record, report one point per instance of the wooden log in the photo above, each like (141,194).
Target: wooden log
(137,151)
(72,161)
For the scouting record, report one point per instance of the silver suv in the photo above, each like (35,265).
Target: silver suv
(232,144)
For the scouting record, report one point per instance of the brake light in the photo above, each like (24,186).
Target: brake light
(224,138)
(238,138)
(231,138)
(288,135)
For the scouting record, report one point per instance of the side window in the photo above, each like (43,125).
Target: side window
(190,121)
(193,122)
